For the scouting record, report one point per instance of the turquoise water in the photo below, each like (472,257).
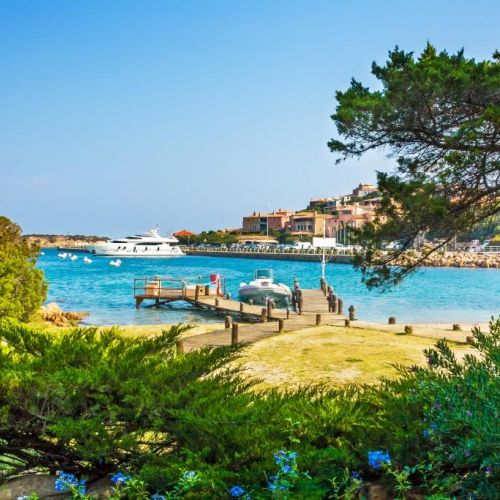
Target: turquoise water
(432,295)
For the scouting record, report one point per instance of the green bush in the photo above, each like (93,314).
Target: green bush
(94,403)
(22,286)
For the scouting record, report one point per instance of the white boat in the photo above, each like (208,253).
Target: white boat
(149,244)
(262,287)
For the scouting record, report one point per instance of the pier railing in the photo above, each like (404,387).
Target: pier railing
(173,288)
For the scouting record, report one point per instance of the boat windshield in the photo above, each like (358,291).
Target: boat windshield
(261,274)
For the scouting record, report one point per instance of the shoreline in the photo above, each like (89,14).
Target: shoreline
(461,260)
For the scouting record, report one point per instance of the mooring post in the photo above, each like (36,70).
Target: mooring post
(228,322)
(392,320)
(197,292)
(352,313)
(269,308)
(347,322)
(340,306)
(207,290)
(242,306)
(263,315)
(456,327)
(216,302)
(287,313)
(408,330)
(322,285)
(318,319)
(281,324)
(234,334)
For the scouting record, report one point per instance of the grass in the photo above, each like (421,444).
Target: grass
(333,355)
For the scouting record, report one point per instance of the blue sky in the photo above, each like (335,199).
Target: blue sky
(118,115)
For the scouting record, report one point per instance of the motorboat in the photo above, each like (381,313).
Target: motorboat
(148,244)
(262,287)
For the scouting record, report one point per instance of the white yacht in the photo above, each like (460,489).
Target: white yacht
(149,244)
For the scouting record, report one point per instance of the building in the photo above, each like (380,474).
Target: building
(260,222)
(363,190)
(308,223)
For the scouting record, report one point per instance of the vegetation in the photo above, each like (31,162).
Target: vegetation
(210,238)
(439,115)
(22,285)
(184,425)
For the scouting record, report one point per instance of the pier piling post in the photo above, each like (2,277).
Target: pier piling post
(242,306)
(352,313)
(469,339)
(228,321)
(263,315)
(269,308)
(281,324)
(234,334)
(287,313)
(318,319)
(408,329)
(392,320)
(456,327)
(197,292)
(347,322)
(340,306)
(216,302)
(322,285)
(207,290)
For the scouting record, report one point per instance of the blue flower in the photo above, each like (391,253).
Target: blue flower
(272,486)
(426,433)
(236,491)
(378,458)
(356,476)
(286,469)
(156,496)
(189,474)
(66,481)
(120,478)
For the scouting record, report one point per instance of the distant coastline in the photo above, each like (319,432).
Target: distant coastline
(62,241)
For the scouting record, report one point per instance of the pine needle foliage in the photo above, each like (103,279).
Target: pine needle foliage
(93,403)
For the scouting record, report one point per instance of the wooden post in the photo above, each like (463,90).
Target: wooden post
(352,313)
(340,306)
(287,313)
(322,285)
(269,308)
(241,307)
(138,302)
(228,296)
(408,329)
(392,320)
(228,321)
(347,322)
(179,344)
(300,300)
(469,339)
(318,319)
(263,315)
(216,302)
(197,292)
(234,334)
(207,290)
(281,324)
(456,327)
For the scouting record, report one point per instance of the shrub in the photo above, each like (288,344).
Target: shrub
(92,404)
(22,286)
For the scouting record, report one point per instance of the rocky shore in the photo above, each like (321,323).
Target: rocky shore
(454,259)
(52,313)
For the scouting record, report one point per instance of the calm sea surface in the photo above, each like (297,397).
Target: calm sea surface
(432,295)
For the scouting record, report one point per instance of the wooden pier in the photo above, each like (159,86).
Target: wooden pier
(256,321)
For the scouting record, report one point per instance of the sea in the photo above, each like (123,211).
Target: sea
(431,295)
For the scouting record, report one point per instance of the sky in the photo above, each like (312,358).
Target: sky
(117,115)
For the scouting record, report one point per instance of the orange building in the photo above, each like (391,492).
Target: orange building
(259,222)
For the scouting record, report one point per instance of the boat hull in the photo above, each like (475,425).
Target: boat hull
(260,294)
(130,254)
